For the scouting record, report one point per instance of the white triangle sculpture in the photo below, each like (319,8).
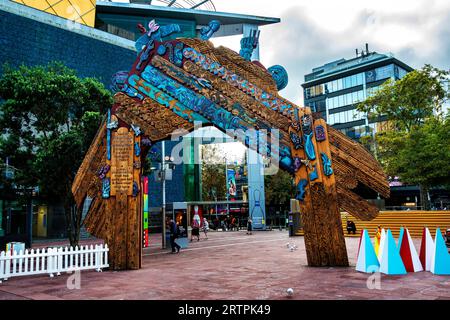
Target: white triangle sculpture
(409,254)
(382,241)
(426,249)
(400,238)
(391,263)
(367,258)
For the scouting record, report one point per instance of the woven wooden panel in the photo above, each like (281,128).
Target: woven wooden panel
(86,180)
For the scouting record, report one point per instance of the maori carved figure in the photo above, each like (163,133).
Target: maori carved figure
(207,32)
(174,84)
(280,75)
(249,44)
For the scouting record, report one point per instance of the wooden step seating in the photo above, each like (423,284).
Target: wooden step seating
(415,221)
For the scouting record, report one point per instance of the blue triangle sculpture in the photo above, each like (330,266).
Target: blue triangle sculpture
(391,263)
(367,258)
(440,262)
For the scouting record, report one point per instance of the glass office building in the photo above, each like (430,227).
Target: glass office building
(336,88)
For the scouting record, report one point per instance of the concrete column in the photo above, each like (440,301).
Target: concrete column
(256,192)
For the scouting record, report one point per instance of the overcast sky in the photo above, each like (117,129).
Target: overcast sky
(312,33)
(315,32)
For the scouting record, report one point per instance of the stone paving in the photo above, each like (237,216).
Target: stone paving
(232,266)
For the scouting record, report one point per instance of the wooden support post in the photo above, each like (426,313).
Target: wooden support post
(324,238)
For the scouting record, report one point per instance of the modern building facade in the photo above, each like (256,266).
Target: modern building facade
(335,89)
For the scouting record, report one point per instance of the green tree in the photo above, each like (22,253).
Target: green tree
(415,147)
(214,186)
(49,117)
(279,189)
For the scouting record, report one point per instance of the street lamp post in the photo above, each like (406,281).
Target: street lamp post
(226,185)
(163,176)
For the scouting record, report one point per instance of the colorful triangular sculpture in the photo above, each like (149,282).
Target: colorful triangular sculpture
(426,249)
(367,258)
(360,240)
(382,241)
(409,254)
(391,262)
(440,261)
(400,238)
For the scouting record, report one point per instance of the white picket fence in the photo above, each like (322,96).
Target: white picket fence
(53,261)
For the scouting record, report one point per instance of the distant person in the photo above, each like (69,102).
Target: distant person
(351,227)
(205,227)
(223,225)
(173,228)
(195,230)
(233,223)
(249,226)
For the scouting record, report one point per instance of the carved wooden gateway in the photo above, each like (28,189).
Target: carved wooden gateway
(176,84)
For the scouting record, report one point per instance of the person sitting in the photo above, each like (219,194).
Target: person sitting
(351,227)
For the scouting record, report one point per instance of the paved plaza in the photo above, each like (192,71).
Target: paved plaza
(232,266)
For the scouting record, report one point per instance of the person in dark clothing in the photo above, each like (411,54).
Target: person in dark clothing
(351,227)
(174,235)
(249,226)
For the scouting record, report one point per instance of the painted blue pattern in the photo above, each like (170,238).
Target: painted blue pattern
(327,169)
(301,190)
(309,147)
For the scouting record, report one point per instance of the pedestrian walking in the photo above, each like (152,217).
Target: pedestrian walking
(249,226)
(173,236)
(195,230)
(205,227)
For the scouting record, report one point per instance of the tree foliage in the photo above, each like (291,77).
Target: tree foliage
(415,147)
(407,102)
(48,118)
(279,189)
(214,186)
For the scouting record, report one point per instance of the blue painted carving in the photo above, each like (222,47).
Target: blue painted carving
(118,81)
(135,189)
(327,169)
(132,92)
(164,99)
(106,188)
(207,32)
(301,190)
(320,133)
(137,149)
(314,175)
(249,44)
(146,142)
(307,124)
(145,55)
(296,141)
(137,131)
(297,164)
(113,125)
(162,50)
(280,75)
(108,137)
(286,162)
(155,33)
(178,54)
(268,100)
(309,147)
(103,171)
